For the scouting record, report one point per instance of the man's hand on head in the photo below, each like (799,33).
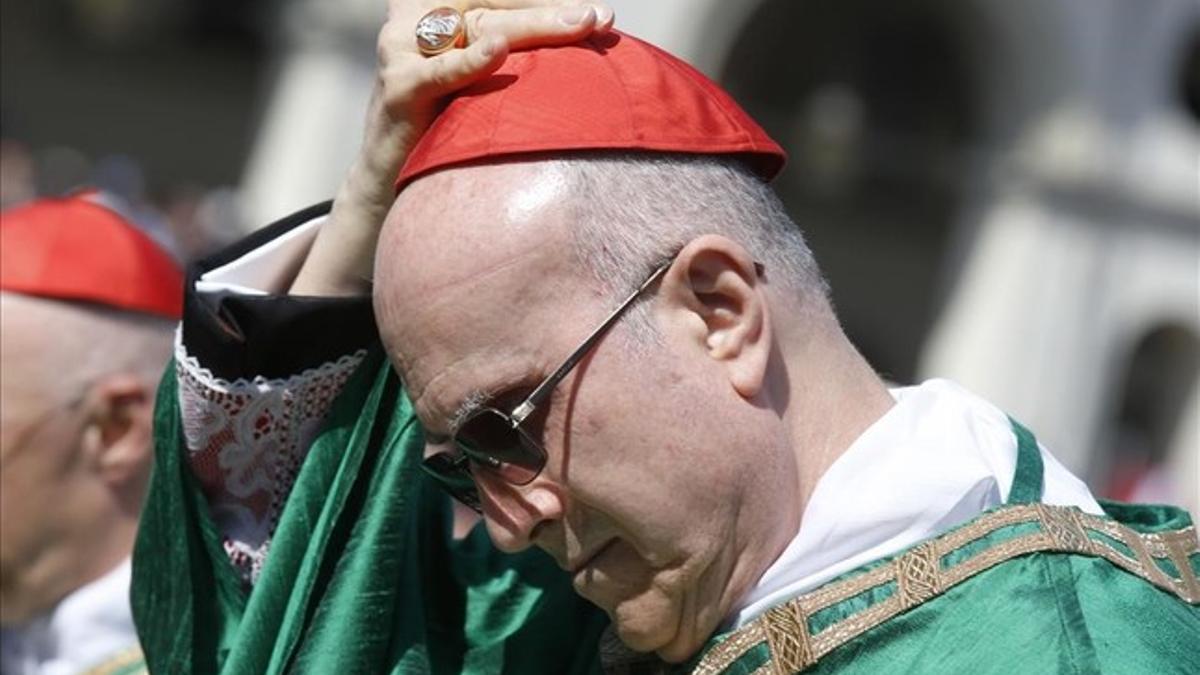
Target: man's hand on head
(408,89)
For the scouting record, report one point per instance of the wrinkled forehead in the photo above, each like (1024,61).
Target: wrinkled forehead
(444,225)
(470,265)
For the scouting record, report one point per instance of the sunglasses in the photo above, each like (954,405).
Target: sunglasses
(493,441)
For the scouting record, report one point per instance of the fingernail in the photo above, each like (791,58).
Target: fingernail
(573,16)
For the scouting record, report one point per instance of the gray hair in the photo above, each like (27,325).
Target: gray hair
(124,341)
(632,210)
(85,342)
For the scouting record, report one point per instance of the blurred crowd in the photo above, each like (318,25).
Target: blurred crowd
(188,219)
(854,184)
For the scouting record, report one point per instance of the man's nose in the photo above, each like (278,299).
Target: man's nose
(515,513)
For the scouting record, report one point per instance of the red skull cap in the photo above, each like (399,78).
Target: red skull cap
(75,248)
(612,92)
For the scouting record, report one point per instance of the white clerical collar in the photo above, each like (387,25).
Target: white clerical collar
(937,459)
(89,627)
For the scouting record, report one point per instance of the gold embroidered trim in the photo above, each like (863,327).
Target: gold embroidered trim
(787,637)
(119,662)
(918,575)
(730,649)
(921,574)
(832,594)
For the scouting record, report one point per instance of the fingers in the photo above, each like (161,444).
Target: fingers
(542,26)
(400,8)
(410,81)
(465,5)
(459,68)
(604,13)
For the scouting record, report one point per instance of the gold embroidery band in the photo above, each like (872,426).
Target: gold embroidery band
(120,662)
(731,649)
(918,575)
(921,575)
(787,637)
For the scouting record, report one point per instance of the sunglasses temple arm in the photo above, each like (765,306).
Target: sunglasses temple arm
(543,390)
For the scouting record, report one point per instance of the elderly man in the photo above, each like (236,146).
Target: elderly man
(621,353)
(87,304)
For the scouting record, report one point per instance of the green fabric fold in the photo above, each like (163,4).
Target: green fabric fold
(362,575)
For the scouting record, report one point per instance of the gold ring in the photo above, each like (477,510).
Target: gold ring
(441,30)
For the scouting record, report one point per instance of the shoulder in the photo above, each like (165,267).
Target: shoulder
(1027,588)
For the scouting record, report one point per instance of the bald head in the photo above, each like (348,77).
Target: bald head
(456,233)
(604,217)
(52,348)
(77,383)
(705,397)
(461,223)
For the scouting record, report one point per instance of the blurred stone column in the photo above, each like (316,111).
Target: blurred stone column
(1089,241)
(312,121)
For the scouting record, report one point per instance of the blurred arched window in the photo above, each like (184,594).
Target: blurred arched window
(1189,75)
(875,105)
(1155,401)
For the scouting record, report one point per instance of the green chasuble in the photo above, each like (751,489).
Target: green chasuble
(364,577)
(1023,588)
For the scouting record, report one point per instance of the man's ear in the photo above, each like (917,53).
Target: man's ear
(117,442)
(715,283)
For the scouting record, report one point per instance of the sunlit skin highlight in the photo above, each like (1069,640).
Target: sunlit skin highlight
(673,472)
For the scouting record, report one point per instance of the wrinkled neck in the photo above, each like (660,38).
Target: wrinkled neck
(833,397)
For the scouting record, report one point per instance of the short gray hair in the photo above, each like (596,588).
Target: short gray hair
(120,341)
(631,210)
(88,341)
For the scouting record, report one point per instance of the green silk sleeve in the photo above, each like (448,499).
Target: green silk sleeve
(362,574)
(1026,588)
(1043,613)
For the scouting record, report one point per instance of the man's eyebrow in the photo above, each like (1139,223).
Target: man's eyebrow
(473,402)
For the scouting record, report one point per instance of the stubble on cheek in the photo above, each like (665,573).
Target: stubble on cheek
(650,619)
(647,605)
(680,606)
(663,619)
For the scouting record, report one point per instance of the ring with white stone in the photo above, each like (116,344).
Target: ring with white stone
(440,30)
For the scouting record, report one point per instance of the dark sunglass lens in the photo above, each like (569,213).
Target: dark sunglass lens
(469,498)
(452,474)
(449,470)
(488,435)
(535,459)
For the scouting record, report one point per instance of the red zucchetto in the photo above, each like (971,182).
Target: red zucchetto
(75,248)
(613,92)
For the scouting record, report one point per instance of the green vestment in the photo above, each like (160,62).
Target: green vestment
(364,577)
(1023,588)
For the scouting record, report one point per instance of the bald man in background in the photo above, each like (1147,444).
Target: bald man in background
(87,308)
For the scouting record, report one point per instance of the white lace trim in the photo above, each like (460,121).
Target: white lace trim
(205,376)
(246,441)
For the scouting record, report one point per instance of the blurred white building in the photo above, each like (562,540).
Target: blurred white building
(1003,193)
